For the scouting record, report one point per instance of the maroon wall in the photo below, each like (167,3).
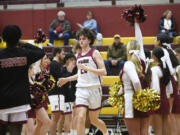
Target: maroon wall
(109,19)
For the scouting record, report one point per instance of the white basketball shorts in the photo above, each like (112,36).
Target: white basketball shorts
(89,97)
(57,103)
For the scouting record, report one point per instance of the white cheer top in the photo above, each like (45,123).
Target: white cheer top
(156,76)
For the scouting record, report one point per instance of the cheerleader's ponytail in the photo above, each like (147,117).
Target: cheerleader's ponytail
(159,54)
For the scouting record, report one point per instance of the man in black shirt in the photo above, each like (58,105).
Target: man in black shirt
(68,90)
(56,97)
(14,83)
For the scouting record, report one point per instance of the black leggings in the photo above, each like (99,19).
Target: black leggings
(13,129)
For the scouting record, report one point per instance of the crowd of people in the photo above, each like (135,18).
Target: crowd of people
(60,28)
(27,86)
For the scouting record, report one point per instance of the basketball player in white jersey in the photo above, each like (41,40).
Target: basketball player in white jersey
(88,94)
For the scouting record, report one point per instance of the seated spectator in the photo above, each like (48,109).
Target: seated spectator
(60,28)
(116,55)
(92,25)
(167,24)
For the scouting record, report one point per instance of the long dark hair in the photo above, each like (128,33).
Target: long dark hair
(148,74)
(163,38)
(159,53)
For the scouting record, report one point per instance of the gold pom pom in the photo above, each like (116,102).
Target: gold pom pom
(146,100)
(115,100)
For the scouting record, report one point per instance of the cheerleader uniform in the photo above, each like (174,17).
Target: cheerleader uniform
(131,83)
(129,79)
(174,90)
(176,102)
(165,91)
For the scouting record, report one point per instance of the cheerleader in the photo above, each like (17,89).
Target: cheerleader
(28,128)
(176,108)
(135,75)
(161,81)
(39,105)
(132,80)
(172,63)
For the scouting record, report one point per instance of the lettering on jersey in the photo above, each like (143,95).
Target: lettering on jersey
(13,62)
(83,61)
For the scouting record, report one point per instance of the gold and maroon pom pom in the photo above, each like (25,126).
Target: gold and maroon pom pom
(134,12)
(45,80)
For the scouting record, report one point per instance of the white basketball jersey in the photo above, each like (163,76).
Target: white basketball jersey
(86,78)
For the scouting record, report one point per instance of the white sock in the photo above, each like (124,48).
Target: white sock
(107,133)
(86,131)
(150,129)
(75,132)
(59,133)
(71,131)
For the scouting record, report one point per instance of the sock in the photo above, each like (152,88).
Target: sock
(150,129)
(107,133)
(86,131)
(75,132)
(71,131)
(59,133)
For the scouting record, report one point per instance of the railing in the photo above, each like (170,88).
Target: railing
(5,3)
(27,1)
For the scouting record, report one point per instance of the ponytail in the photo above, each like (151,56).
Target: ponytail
(137,64)
(166,74)
(159,54)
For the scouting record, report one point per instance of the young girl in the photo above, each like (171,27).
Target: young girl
(172,63)
(132,80)
(161,81)
(28,128)
(39,105)
(88,94)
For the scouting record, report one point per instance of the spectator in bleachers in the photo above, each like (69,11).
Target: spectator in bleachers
(60,28)
(167,24)
(91,23)
(116,55)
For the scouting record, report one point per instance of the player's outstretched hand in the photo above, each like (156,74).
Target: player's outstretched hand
(61,82)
